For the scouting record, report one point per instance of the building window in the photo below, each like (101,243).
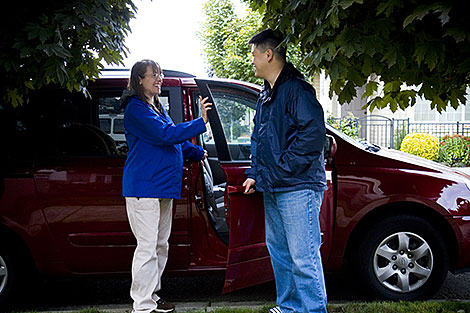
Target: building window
(451,115)
(423,112)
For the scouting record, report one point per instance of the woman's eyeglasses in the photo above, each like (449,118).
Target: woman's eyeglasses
(155,76)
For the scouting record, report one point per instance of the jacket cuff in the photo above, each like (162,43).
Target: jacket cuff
(250,173)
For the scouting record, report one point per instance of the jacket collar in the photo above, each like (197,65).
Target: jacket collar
(287,72)
(127,95)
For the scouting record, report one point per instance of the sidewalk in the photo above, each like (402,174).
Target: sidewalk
(180,307)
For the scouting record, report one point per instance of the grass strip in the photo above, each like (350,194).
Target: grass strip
(350,307)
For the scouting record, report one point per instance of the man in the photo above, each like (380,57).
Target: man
(287,165)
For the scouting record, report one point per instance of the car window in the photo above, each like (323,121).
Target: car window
(111,115)
(109,104)
(55,122)
(164,99)
(235,114)
(236,109)
(105,125)
(118,126)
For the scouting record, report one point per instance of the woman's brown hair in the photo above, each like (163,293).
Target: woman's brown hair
(138,72)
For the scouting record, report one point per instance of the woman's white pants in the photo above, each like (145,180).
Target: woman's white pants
(150,221)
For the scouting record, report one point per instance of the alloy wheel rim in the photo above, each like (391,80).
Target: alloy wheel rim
(3,275)
(403,262)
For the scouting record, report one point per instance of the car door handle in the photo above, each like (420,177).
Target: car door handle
(235,189)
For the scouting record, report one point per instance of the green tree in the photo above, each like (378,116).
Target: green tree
(397,43)
(60,42)
(225,37)
(225,43)
(347,124)
(225,40)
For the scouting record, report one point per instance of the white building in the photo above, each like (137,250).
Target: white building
(386,128)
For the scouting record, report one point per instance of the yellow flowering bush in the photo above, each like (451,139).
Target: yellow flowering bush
(420,144)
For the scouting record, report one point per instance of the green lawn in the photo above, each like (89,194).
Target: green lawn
(357,307)
(373,307)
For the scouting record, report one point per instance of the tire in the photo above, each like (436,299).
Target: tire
(13,271)
(402,257)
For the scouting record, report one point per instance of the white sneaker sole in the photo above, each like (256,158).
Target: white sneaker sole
(163,310)
(275,310)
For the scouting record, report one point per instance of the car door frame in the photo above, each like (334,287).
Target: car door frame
(248,261)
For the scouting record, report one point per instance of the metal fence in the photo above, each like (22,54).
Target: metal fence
(389,132)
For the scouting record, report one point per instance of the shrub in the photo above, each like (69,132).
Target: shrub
(347,124)
(398,137)
(420,144)
(455,151)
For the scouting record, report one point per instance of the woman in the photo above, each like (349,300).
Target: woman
(152,178)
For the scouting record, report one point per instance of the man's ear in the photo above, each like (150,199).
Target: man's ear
(269,55)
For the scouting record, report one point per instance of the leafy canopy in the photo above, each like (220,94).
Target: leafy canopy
(61,43)
(225,36)
(389,43)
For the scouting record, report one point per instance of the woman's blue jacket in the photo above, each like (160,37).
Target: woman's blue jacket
(154,164)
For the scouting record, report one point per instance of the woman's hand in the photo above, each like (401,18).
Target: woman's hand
(203,158)
(205,106)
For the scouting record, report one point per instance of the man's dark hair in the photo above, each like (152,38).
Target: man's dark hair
(268,39)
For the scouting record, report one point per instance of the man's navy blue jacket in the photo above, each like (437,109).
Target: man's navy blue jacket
(288,137)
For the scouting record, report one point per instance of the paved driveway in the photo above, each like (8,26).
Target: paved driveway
(65,295)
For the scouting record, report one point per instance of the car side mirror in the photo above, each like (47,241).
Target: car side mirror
(329,150)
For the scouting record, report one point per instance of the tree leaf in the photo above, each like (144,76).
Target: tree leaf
(438,103)
(431,58)
(58,41)
(14,97)
(406,98)
(367,66)
(29,84)
(392,87)
(410,43)
(347,94)
(356,77)
(420,53)
(459,35)
(393,105)
(421,11)
(345,4)
(294,4)
(371,88)
(390,57)
(388,7)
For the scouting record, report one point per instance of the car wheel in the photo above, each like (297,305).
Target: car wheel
(3,275)
(402,257)
(10,275)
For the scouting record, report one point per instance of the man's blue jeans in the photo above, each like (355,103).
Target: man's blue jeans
(293,239)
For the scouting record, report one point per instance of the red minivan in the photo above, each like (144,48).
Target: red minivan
(399,222)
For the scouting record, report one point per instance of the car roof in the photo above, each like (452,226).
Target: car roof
(119,76)
(124,73)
